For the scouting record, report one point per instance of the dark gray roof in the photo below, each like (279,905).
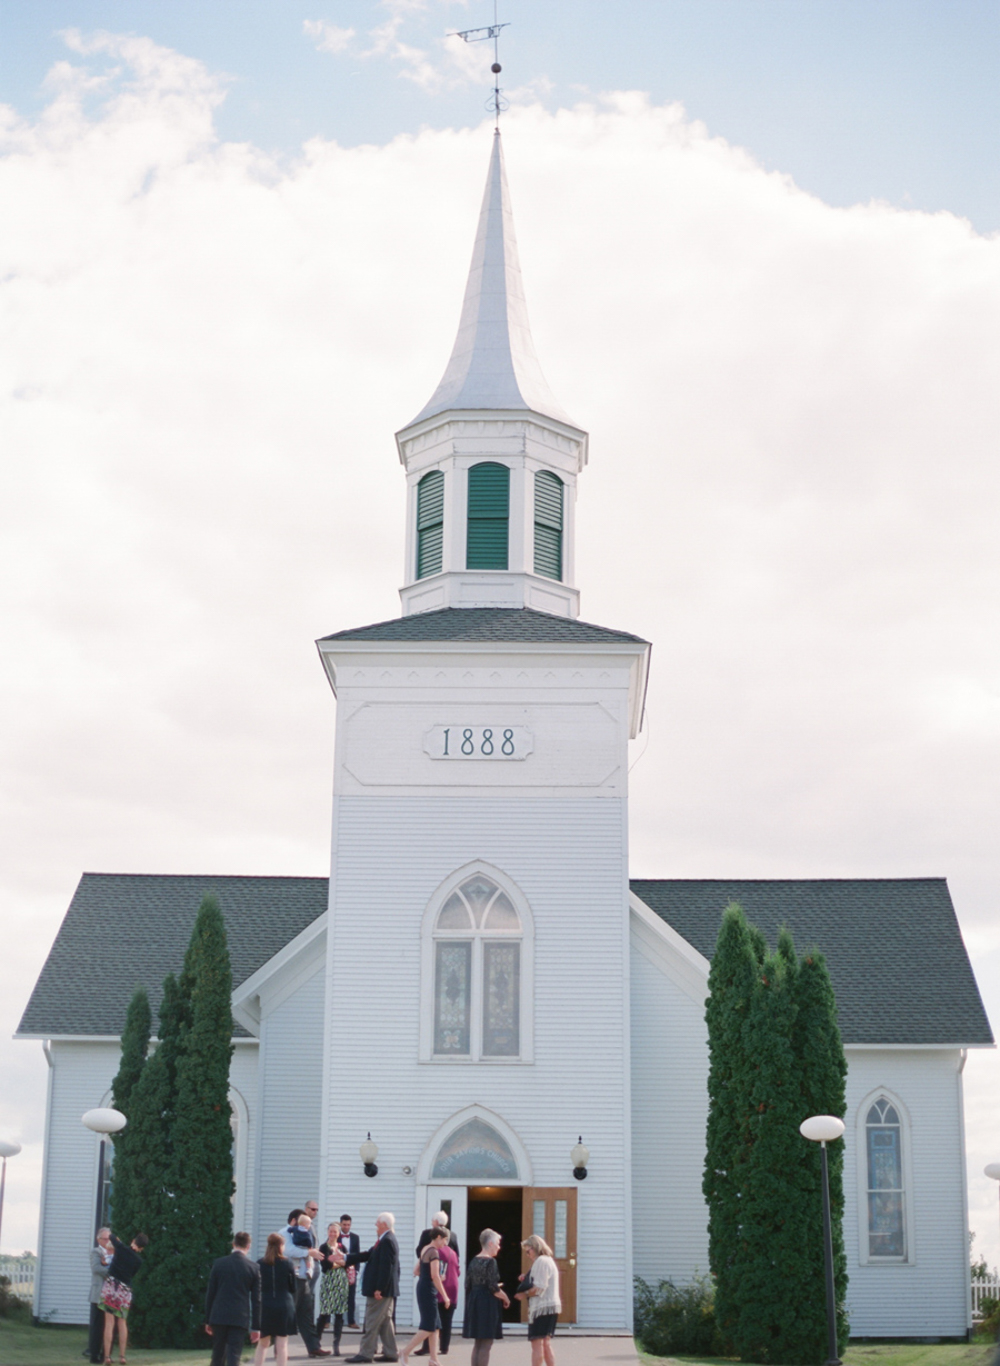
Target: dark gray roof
(125,930)
(520,625)
(893,946)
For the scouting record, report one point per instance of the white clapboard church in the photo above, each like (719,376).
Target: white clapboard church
(493,985)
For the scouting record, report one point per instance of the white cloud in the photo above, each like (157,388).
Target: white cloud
(328,37)
(792,491)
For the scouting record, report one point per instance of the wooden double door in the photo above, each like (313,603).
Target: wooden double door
(515,1212)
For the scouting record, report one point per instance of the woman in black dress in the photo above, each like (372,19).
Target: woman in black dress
(277,1301)
(484,1296)
(429,1286)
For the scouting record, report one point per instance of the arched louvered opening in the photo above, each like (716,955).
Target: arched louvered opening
(548,525)
(430,524)
(489,515)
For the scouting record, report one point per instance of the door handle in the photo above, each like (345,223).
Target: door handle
(572,1261)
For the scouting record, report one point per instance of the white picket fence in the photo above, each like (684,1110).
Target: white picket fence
(985,1287)
(22,1277)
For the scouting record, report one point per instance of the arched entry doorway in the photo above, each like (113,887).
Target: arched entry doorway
(477,1170)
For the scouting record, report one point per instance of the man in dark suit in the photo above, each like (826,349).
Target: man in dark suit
(351,1245)
(232,1303)
(380,1287)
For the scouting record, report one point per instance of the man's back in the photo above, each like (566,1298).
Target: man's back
(233,1292)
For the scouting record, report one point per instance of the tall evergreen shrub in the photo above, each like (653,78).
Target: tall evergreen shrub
(127,1191)
(154,1105)
(196,1222)
(775,1058)
(731,983)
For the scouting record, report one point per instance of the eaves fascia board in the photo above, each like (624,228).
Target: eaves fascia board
(949,1047)
(447,415)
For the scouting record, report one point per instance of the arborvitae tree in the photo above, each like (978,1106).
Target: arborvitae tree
(731,984)
(198,1210)
(822,1067)
(154,1105)
(771,1188)
(776,1058)
(127,1192)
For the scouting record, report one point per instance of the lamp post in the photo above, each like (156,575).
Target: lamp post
(103,1122)
(824,1129)
(6,1150)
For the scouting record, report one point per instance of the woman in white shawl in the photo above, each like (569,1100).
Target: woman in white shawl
(542,1294)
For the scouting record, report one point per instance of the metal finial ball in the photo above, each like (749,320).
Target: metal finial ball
(496,68)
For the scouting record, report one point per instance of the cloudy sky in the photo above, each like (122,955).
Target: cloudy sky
(760,249)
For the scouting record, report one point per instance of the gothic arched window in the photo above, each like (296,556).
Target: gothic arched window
(488,516)
(886,1187)
(477,940)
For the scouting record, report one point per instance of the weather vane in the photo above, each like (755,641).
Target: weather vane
(496,103)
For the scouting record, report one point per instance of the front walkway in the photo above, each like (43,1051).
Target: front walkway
(572,1348)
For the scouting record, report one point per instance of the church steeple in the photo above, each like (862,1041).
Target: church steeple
(492,459)
(493,363)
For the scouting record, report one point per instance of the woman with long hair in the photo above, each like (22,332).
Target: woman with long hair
(277,1301)
(334,1287)
(540,1287)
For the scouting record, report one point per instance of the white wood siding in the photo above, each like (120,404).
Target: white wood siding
(290,1082)
(568,858)
(669,1108)
(929,1295)
(81,1076)
(81,1079)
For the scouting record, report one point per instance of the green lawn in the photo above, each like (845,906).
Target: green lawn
(882,1354)
(21,1344)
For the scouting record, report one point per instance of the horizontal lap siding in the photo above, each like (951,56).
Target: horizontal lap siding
(929,1297)
(82,1075)
(290,1086)
(568,858)
(669,1108)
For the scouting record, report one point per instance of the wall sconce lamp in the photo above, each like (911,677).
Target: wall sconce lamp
(579,1157)
(369,1152)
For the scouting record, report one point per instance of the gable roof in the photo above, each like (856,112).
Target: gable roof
(125,930)
(897,961)
(482,625)
(895,952)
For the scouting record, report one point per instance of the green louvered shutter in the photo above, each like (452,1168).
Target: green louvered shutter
(430,524)
(548,524)
(489,509)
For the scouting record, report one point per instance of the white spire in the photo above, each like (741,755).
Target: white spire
(493,364)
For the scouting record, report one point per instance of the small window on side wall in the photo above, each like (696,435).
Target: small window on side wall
(430,524)
(548,525)
(886,1184)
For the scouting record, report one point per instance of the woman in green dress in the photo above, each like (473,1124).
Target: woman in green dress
(333,1287)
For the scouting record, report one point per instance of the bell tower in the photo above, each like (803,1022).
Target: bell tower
(492,460)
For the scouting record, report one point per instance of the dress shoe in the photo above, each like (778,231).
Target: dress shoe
(321,1352)
(357,1358)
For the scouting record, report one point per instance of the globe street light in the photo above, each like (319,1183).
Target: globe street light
(104,1122)
(824,1129)
(6,1150)
(992,1170)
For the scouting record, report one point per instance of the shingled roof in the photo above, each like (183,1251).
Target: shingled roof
(125,930)
(519,625)
(893,946)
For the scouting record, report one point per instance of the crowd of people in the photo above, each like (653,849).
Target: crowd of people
(276,1298)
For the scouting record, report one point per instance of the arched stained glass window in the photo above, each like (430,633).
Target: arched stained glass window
(548,525)
(488,516)
(886,1194)
(475,1150)
(477,973)
(430,524)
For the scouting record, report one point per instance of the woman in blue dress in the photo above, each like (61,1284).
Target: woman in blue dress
(429,1287)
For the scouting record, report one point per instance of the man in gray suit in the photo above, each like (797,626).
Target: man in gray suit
(100,1259)
(232,1303)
